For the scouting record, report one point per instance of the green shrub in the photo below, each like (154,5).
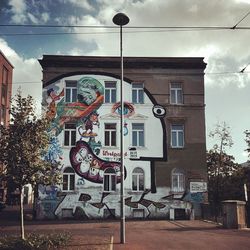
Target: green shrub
(35,241)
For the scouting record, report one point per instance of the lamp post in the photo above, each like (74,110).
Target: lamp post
(121,19)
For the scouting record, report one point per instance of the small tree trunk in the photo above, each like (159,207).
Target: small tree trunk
(21,214)
(35,196)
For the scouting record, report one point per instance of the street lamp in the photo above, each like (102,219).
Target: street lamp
(121,19)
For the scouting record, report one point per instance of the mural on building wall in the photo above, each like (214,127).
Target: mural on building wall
(87,165)
(89,159)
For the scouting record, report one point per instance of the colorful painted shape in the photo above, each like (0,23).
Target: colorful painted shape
(89,166)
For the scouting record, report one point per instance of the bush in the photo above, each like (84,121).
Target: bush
(34,241)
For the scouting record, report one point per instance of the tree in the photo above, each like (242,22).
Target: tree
(220,165)
(23,145)
(247,133)
(225,178)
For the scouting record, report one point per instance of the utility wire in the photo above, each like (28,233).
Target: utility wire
(127,27)
(208,73)
(116,32)
(234,27)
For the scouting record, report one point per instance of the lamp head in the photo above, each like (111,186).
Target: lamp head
(120,19)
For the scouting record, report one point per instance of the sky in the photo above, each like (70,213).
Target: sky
(226,51)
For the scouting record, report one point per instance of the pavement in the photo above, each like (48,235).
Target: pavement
(139,235)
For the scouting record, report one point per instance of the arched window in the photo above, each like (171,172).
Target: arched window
(178,180)
(138,179)
(68,179)
(109,180)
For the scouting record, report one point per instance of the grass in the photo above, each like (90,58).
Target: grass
(35,241)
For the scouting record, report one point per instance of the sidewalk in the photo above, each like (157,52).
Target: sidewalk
(140,235)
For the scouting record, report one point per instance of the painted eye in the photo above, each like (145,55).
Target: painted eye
(159,111)
(128,109)
(78,157)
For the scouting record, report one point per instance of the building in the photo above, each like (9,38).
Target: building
(6,71)
(164,136)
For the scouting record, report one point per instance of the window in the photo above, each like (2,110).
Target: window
(69,134)
(177,136)
(109,180)
(4,86)
(110,92)
(138,179)
(71,91)
(176,93)
(178,180)
(68,179)
(138,135)
(110,134)
(137,93)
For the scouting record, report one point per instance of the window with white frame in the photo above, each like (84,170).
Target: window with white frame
(138,179)
(69,134)
(177,136)
(109,180)
(68,179)
(137,93)
(110,134)
(110,92)
(71,91)
(178,180)
(138,135)
(176,93)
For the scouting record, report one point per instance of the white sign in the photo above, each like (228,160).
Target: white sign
(198,187)
(133,154)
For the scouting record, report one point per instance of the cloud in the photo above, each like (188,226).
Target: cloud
(82,4)
(18,8)
(45,17)
(23,12)
(27,73)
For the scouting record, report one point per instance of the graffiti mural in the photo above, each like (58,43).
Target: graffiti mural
(90,157)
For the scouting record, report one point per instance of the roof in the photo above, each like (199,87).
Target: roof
(128,62)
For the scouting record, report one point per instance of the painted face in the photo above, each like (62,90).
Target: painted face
(93,171)
(84,167)
(82,153)
(87,96)
(117,170)
(94,118)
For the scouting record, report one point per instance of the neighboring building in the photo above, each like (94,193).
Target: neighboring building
(164,136)
(6,71)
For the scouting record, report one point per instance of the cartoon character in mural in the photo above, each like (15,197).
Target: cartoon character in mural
(86,130)
(54,151)
(87,165)
(51,101)
(90,98)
